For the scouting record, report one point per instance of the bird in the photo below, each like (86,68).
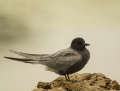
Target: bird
(63,62)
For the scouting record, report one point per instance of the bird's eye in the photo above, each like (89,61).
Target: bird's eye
(79,43)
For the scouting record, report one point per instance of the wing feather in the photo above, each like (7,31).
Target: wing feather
(59,61)
(63,59)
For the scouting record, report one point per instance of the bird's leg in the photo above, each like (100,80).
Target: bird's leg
(68,77)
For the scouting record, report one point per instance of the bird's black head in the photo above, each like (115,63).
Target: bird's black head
(79,44)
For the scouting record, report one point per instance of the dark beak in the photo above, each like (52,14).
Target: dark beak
(86,44)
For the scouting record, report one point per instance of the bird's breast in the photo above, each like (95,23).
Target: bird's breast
(85,56)
(79,65)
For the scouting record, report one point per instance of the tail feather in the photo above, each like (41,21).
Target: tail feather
(23,60)
(30,56)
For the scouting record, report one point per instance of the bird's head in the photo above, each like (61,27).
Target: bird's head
(79,44)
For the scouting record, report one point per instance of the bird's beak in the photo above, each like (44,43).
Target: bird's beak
(86,44)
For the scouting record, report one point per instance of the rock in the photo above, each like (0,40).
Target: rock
(44,85)
(80,82)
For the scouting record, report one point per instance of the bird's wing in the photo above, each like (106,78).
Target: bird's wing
(60,60)
(63,59)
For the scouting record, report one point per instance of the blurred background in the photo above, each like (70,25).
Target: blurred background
(40,26)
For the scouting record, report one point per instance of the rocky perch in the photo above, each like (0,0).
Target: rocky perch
(80,82)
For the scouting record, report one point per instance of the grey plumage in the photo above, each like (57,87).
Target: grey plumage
(63,62)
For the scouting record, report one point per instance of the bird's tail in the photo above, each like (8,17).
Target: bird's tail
(23,60)
(29,58)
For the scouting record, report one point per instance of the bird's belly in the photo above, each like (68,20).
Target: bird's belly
(78,66)
(74,68)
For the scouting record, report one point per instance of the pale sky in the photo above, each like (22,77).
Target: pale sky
(41,26)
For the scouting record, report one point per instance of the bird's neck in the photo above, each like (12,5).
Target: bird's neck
(79,49)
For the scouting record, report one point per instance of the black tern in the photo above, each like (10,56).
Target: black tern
(64,62)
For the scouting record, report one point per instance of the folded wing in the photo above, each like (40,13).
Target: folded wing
(59,61)
(63,59)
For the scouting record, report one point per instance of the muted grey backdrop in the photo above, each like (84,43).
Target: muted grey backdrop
(41,26)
